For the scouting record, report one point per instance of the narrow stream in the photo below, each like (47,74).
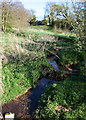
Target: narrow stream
(25,106)
(37,92)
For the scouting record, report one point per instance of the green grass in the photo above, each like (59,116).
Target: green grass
(36,34)
(43,27)
(40,32)
(50,30)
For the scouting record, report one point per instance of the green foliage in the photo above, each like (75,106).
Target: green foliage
(70,94)
(60,73)
(71,56)
(18,76)
(33,20)
(44,22)
(57,10)
(9,28)
(67,38)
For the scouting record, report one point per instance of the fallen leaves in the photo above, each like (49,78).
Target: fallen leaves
(60,107)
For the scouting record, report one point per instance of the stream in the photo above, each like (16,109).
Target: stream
(25,106)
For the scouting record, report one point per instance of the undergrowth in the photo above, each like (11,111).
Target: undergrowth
(19,75)
(69,94)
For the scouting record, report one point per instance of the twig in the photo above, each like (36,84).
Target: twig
(53,53)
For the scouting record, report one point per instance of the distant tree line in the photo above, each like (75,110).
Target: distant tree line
(14,15)
(62,16)
(59,15)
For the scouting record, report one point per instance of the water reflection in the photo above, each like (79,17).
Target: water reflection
(36,94)
(53,63)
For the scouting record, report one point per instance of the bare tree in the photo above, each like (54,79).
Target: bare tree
(5,13)
(14,15)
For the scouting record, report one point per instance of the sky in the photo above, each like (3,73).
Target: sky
(39,6)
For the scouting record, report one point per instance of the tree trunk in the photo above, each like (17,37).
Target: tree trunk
(52,21)
(65,25)
(60,25)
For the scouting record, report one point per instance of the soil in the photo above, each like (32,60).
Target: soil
(18,107)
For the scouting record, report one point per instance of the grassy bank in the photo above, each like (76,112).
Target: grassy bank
(64,100)
(25,57)
(22,65)
(20,75)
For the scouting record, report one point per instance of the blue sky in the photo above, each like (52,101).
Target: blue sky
(38,6)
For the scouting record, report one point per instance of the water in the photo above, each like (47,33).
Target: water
(24,107)
(37,92)
(53,63)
